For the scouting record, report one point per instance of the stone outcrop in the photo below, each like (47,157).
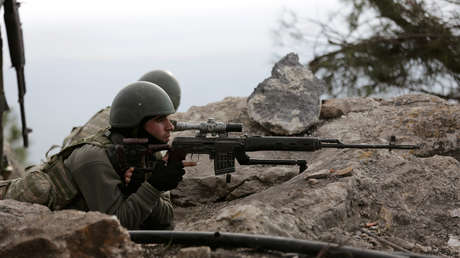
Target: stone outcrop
(288,102)
(425,119)
(345,192)
(194,191)
(32,230)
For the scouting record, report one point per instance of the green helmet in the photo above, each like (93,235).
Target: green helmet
(137,101)
(167,82)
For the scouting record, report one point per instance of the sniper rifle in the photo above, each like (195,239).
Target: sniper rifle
(224,150)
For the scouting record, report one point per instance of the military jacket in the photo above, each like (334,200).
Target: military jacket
(82,177)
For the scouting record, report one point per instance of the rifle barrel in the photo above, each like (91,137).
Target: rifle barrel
(21,93)
(368,146)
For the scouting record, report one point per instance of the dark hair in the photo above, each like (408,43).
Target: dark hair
(138,131)
(126,132)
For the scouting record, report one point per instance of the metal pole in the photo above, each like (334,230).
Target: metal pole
(236,240)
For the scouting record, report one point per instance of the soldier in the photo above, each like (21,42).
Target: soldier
(100,120)
(84,175)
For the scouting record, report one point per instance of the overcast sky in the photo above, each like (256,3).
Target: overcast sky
(79,54)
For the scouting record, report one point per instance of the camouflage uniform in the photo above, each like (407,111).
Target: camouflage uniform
(82,176)
(99,190)
(97,122)
(86,180)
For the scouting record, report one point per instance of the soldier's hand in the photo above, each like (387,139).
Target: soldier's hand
(167,177)
(134,179)
(128,175)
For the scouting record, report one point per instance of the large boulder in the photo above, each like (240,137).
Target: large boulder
(288,102)
(32,230)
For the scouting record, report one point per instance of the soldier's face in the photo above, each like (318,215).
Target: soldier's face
(159,127)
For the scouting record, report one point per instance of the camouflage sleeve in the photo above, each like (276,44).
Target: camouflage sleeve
(156,221)
(99,185)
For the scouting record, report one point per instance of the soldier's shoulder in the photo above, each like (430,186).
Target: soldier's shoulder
(87,153)
(97,122)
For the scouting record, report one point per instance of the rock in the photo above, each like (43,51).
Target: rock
(330,112)
(276,211)
(240,213)
(194,252)
(454,241)
(329,173)
(455,213)
(193,191)
(343,172)
(419,118)
(312,181)
(334,108)
(228,109)
(325,173)
(33,231)
(397,189)
(200,190)
(288,102)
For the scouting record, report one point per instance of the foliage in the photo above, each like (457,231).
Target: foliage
(13,136)
(390,44)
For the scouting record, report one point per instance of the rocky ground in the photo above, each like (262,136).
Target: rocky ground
(376,199)
(365,198)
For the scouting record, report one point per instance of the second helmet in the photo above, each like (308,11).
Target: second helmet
(167,82)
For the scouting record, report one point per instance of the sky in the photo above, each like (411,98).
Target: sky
(79,54)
